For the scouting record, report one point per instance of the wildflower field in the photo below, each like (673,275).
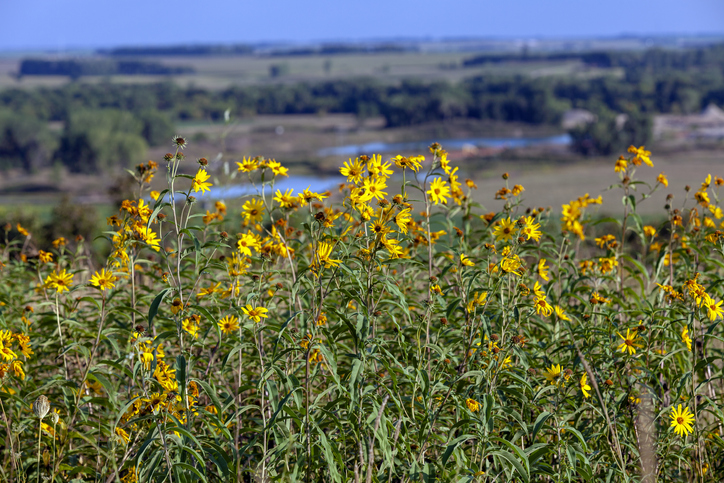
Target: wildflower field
(392,331)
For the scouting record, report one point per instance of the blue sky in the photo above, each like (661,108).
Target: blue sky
(71,24)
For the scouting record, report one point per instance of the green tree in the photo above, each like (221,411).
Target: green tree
(96,141)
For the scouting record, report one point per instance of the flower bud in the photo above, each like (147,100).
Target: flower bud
(506,176)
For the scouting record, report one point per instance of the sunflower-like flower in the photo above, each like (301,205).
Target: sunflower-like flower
(60,281)
(630,343)
(584,385)
(685,338)
(505,230)
(228,324)
(199,182)
(439,191)
(553,374)
(103,280)
(681,420)
(255,313)
(472,405)
(323,256)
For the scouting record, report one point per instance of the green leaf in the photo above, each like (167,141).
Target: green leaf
(153,310)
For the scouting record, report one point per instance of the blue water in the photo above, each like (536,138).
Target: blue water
(448,144)
(297,183)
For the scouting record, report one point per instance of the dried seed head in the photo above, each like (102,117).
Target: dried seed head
(41,406)
(179,141)
(202,161)
(55,418)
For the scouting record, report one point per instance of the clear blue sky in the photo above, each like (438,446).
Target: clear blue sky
(69,24)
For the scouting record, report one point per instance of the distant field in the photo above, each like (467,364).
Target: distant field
(221,72)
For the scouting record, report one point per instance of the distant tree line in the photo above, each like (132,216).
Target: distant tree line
(97,67)
(242,49)
(179,50)
(645,60)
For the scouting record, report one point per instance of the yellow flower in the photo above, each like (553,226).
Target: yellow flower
(148,236)
(607,264)
(511,264)
(584,385)
(277,168)
(155,194)
(685,338)
(640,155)
(59,281)
(542,307)
(228,324)
(681,420)
(123,435)
(45,257)
(472,405)
(477,300)
(543,269)
(377,168)
(286,200)
(307,196)
(713,307)
(649,231)
(59,242)
(414,162)
(210,290)
(621,164)
(466,261)
(373,188)
(323,256)
(248,165)
(353,170)
(553,374)
(531,229)
(629,342)
(103,280)
(439,191)
(5,351)
(17,367)
(505,230)
(199,183)
(403,219)
(561,314)
(24,342)
(661,178)
(255,314)
(247,242)
(191,325)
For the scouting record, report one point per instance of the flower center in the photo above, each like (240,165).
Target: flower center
(680,420)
